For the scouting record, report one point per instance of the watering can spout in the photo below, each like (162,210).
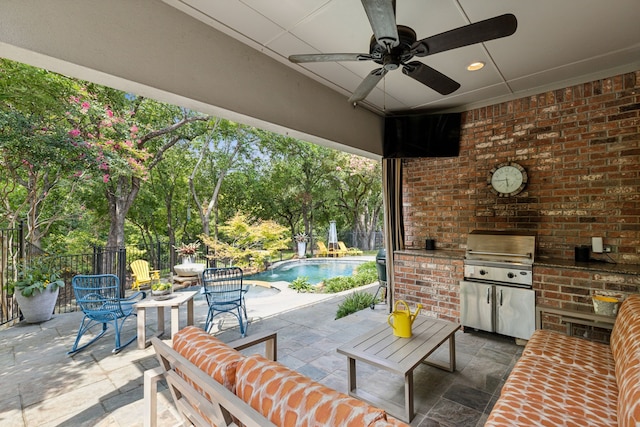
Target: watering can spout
(415,313)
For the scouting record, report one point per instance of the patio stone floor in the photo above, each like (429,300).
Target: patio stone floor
(43,386)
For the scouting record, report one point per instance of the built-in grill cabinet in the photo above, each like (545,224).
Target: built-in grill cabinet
(496,294)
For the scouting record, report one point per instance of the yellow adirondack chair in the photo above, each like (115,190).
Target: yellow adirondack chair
(322,249)
(142,275)
(349,251)
(330,252)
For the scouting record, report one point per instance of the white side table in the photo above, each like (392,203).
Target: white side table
(176,300)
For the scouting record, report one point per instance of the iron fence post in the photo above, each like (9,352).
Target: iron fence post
(122,269)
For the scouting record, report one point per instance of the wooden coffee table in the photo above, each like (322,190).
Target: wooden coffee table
(384,350)
(175,300)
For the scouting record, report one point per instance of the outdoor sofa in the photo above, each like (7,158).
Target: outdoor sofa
(212,383)
(569,381)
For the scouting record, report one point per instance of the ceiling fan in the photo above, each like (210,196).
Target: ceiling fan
(393,46)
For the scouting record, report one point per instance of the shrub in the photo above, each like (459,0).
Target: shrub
(355,302)
(301,284)
(339,284)
(366,273)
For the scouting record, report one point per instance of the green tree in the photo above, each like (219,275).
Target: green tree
(300,172)
(359,195)
(222,150)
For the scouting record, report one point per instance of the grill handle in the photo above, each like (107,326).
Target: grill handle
(471,251)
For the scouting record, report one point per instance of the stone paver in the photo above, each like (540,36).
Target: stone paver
(42,386)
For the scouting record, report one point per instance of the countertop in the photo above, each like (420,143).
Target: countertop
(605,267)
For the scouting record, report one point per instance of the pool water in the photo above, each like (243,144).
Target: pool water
(314,271)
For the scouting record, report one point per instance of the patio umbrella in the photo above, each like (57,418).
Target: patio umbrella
(333,236)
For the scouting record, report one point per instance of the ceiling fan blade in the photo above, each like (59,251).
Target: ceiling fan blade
(430,77)
(329,57)
(489,29)
(382,17)
(368,84)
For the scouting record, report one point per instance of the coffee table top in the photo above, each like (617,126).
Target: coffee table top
(381,348)
(175,299)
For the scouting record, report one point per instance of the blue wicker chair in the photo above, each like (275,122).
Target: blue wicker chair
(224,292)
(99,298)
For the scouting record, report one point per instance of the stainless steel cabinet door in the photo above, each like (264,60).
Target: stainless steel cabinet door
(515,309)
(476,305)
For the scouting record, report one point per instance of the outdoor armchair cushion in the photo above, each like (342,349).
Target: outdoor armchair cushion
(288,398)
(209,354)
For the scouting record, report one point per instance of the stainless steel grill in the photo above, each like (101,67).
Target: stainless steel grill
(503,257)
(496,294)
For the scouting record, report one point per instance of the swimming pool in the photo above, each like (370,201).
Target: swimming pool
(315,270)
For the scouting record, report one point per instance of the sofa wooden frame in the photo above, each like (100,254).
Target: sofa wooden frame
(224,408)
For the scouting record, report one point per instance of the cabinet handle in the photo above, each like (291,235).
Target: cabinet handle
(500,297)
(488,295)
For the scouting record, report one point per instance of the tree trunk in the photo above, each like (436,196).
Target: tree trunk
(120,196)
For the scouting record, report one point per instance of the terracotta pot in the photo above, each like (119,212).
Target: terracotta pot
(38,307)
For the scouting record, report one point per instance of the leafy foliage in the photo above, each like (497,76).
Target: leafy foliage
(38,276)
(301,284)
(243,241)
(365,275)
(88,165)
(355,302)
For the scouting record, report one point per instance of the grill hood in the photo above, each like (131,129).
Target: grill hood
(498,246)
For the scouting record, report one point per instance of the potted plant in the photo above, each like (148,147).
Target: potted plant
(301,239)
(36,291)
(187,251)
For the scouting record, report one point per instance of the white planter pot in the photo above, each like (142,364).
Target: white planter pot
(38,307)
(188,259)
(302,248)
(188,270)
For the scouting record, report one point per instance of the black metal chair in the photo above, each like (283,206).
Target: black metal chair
(99,298)
(224,291)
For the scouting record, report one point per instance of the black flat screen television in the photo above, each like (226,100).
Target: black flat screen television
(422,135)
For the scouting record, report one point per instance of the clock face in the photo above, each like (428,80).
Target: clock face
(507,179)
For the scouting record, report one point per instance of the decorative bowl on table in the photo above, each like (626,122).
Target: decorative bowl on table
(160,289)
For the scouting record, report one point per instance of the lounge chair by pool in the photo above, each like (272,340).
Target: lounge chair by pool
(349,251)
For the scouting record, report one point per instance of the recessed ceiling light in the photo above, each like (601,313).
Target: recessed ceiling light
(475,66)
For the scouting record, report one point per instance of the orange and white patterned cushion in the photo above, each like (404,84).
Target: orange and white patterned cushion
(629,397)
(514,410)
(580,353)
(209,354)
(579,392)
(289,399)
(625,336)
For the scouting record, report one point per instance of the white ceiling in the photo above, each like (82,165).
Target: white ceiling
(557,43)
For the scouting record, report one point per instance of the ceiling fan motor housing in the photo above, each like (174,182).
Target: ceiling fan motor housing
(391,60)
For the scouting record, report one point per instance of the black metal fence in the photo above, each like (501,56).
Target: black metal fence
(15,254)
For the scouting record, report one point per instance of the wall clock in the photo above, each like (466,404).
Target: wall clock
(507,179)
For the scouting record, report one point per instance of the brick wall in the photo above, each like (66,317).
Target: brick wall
(581,149)
(431,281)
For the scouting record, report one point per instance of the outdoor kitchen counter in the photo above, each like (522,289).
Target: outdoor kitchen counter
(438,253)
(605,267)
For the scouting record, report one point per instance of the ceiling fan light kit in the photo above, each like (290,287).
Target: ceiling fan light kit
(394,46)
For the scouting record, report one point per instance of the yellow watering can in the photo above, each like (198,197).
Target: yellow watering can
(401,320)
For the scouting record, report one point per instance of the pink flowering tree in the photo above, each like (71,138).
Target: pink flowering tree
(123,137)
(36,159)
